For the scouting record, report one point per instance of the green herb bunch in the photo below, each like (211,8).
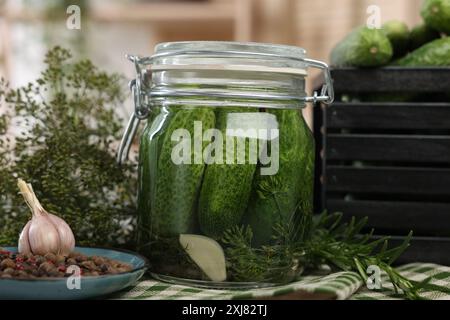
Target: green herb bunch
(67,127)
(308,242)
(280,262)
(344,246)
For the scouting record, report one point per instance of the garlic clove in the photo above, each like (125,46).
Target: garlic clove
(207,253)
(24,243)
(43,236)
(67,239)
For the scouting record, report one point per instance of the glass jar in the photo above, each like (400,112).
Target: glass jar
(226,161)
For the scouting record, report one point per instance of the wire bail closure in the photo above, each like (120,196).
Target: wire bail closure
(142,110)
(327,93)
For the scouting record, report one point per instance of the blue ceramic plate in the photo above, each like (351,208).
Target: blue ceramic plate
(90,287)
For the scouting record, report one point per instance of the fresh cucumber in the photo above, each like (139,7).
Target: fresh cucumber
(363,47)
(436,14)
(177,185)
(275,198)
(149,148)
(420,35)
(435,53)
(226,187)
(398,34)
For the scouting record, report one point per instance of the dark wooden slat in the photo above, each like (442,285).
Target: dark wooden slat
(425,218)
(424,249)
(391,79)
(320,163)
(387,180)
(374,147)
(388,115)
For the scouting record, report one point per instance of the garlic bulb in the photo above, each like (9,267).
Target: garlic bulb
(45,232)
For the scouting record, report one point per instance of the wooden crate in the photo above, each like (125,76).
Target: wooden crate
(389,161)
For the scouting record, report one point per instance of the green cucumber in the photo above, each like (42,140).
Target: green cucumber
(398,34)
(177,185)
(436,14)
(226,187)
(363,47)
(434,54)
(275,198)
(420,35)
(149,148)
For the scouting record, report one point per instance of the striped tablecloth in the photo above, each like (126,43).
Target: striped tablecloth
(341,285)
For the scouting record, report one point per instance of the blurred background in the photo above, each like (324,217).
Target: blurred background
(112,28)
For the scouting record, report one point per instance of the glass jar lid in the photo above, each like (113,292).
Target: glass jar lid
(235,56)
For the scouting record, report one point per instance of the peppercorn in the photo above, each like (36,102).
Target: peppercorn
(98,260)
(47,267)
(104,267)
(27,266)
(40,259)
(60,259)
(90,265)
(7,263)
(50,257)
(81,258)
(8,271)
(28,255)
(112,270)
